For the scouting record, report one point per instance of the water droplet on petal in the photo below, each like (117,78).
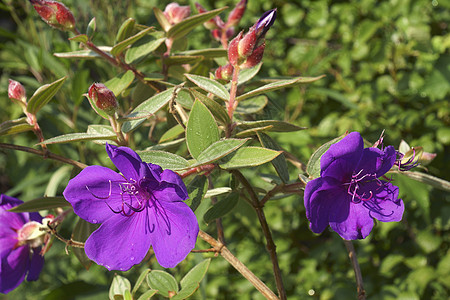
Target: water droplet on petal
(132,258)
(94,221)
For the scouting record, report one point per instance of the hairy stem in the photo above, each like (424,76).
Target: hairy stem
(238,265)
(233,90)
(355,264)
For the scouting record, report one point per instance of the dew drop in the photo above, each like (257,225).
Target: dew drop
(108,267)
(132,258)
(94,221)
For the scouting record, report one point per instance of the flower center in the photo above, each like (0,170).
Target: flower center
(354,187)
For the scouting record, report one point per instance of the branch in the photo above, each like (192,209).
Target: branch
(355,264)
(238,265)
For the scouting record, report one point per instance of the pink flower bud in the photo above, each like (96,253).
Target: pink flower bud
(30,234)
(236,14)
(224,72)
(255,58)
(16,91)
(211,24)
(176,13)
(103,98)
(233,53)
(54,14)
(216,33)
(247,44)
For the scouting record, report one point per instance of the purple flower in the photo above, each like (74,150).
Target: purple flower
(143,206)
(349,194)
(19,245)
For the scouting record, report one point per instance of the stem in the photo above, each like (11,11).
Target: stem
(234,83)
(238,265)
(219,225)
(45,154)
(355,264)
(116,126)
(270,245)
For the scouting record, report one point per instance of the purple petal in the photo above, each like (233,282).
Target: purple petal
(90,190)
(126,160)
(342,158)
(120,243)
(377,162)
(384,204)
(357,225)
(172,244)
(7,202)
(36,265)
(14,267)
(321,196)
(174,188)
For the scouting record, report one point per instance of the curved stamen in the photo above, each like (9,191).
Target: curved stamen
(98,197)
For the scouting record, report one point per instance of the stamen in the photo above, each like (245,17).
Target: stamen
(98,197)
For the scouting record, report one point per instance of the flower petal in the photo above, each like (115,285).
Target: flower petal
(172,244)
(36,265)
(14,267)
(120,242)
(321,197)
(384,204)
(90,190)
(357,225)
(377,162)
(172,188)
(342,158)
(126,160)
(7,201)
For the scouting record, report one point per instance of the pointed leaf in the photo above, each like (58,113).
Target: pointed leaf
(248,157)
(191,282)
(165,159)
(207,53)
(217,192)
(197,190)
(252,105)
(161,18)
(172,133)
(277,126)
(428,179)
(15,126)
(218,150)
(278,84)
(91,29)
(121,46)
(43,95)
(139,281)
(215,108)
(221,208)
(119,83)
(147,108)
(163,282)
(184,27)
(210,86)
(147,295)
(145,46)
(118,286)
(125,30)
(313,166)
(100,129)
(81,38)
(43,203)
(279,162)
(81,232)
(82,53)
(201,130)
(77,137)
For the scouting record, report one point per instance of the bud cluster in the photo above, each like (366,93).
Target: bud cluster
(55,14)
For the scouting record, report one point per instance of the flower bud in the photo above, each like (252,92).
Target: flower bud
(31,234)
(103,98)
(224,72)
(16,91)
(233,53)
(247,44)
(54,14)
(236,14)
(255,58)
(211,24)
(265,22)
(176,13)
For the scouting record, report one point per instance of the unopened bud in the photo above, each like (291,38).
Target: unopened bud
(233,53)
(31,233)
(211,24)
(255,58)
(237,13)
(176,13)
(247,44)
(54,14)
(16,91)
(103,98)
(265,22)
(224,72)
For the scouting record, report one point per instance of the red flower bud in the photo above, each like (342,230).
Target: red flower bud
(255,58)
(103,98)
(16,91)
(224,72)
(236,14)
(233,53)
(247,44)
(54,14)
(176,13)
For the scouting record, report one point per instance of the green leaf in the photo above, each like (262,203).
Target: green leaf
(246,74)
(121,46)
(217,192)
(145,46)
(43,95)
(139,281)
(252,105)
(147,295)
(218,150)
(172,133)
(125,30)
(82,53)
(428,241)
(164,159)
(279,162)
(278,84)
(313,166)
(119,83)
(91,28)
(81,38)
(221,208)
(210,86)
(100,129)
(161,18)
(78,137)
(181,59)
(218,111)
(118,286)
(197,190)
(191,282)
(15,126)
(163,282)
(426,178)
(97,110)
(43,203)
(336,96)
(147,108)
(81,232)
(201,130)
(184,27)
(277,126)
(207,53)
(248,157)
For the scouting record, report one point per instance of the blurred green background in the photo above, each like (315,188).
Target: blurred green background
(387,67)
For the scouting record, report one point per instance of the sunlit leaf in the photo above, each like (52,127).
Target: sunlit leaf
(210,86)
(162,281)
(248,157)
(43,95)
